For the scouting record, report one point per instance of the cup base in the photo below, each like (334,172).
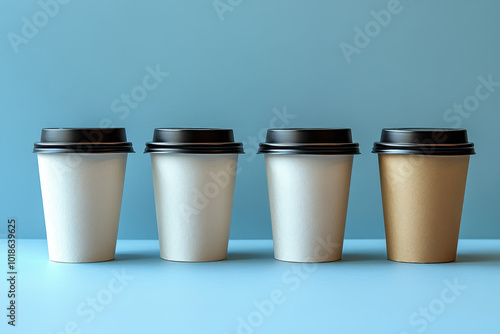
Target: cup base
(302,261)
(422,261)
(192,261)
(81,261)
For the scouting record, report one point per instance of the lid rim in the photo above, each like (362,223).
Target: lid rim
(187,151)
(195,150)
(444,153)
(57,150)
(278,145)
(203,149)
(325,148)
(201,144)
(312,152)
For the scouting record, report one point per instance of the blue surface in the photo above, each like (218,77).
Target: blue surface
(265,55)
(363,293)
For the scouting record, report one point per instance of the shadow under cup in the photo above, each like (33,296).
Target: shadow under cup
(423,174)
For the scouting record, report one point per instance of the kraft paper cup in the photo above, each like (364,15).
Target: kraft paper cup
(308,176)
(194,173)
(423,173)
(81,176)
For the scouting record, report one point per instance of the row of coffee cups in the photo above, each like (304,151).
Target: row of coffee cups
(422,171)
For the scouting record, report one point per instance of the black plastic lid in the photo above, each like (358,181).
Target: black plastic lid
(83,140)
(194,141)
(424,141)
(309,141)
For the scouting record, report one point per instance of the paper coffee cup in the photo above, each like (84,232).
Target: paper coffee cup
(423,173)
(81,176)
(194,173)
(308,176)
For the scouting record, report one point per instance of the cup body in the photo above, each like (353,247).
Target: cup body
(422,199)
(194,199)
(308,196)
(82,195)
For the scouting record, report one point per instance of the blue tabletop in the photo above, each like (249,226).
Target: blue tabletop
(253,293)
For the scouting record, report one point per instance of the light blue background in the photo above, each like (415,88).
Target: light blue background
(233,73)
(363,293)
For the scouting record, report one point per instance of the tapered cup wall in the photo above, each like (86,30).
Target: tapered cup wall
(82,195)
(194,199)
(308,196)
(422,197)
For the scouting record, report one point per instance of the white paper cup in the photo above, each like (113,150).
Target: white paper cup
(308,196)
(194,175)
(194,200)
(82,205)
(308,176)
(82,195)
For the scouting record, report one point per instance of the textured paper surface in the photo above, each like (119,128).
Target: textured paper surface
(194,200)
(422,199)
(308,196)
(82,195)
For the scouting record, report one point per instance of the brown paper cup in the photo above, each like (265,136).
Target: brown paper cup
(422,198)
(423,174)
